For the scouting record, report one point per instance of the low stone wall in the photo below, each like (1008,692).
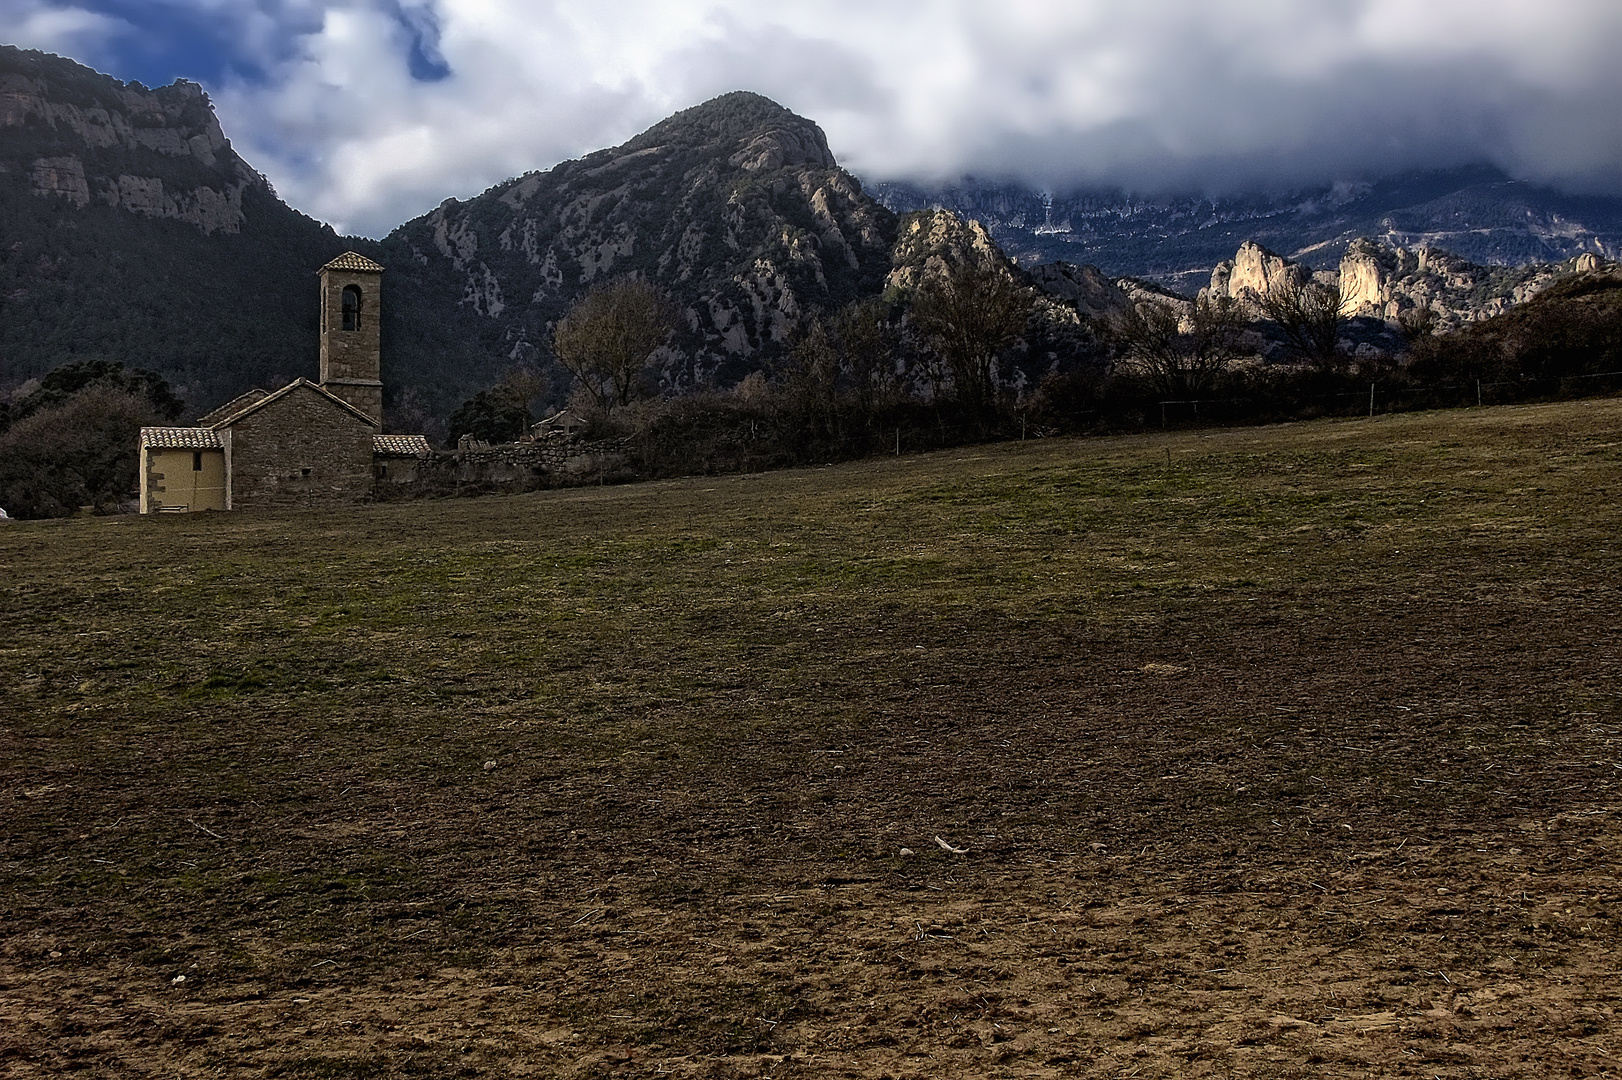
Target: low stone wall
(524,466)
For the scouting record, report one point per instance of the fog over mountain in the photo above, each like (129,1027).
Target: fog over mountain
(367,112)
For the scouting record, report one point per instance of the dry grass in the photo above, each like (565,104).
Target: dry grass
(1275,752)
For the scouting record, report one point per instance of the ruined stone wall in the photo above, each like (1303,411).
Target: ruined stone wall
(506,467)
(302,449)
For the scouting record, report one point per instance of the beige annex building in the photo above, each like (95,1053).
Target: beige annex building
(304,444)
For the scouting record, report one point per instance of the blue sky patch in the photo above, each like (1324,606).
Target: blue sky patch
(174,39)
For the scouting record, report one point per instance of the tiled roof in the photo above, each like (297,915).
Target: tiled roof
(181,438)
(414,445)
(288,389)
(352,261)
(232,407)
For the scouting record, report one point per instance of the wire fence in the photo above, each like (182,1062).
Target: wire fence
(1387,398)
(733,440)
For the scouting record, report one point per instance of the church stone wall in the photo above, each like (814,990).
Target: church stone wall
(300,450)
(352,360)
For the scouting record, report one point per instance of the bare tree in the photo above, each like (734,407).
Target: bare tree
(1417,323)
(1309,317)
(1182,355)
(81,452)
(811,374)
(868,344)
(607,336)
(968,320)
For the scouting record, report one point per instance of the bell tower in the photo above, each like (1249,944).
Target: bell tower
(351,350)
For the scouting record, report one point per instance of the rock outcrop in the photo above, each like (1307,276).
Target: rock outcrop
(1256,272)
(937,243)
(1085,287)
(1384,281)
(736,208)
(86,138)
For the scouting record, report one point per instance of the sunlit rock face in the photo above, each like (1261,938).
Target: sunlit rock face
(937,243)
(1255,273)
(735,207)
(84,138)
(1386,281)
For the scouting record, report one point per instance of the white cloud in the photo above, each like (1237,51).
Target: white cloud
(1207,93)
(64,30)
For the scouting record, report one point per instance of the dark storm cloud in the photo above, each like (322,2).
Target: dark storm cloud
(368,111)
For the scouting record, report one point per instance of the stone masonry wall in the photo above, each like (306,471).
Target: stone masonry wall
(523,466)
(300,450)
(352,360)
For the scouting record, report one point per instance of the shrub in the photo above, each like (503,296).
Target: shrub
(82,452)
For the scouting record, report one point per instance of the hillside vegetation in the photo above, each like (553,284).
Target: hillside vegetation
(1275,752)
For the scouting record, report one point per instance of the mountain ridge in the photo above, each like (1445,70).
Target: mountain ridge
(1476,212)
(735,206)
(134,232)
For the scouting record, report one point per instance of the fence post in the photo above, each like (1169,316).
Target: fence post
(1371,401)
(1478,393)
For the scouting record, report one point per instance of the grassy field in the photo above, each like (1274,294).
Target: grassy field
(1274,752)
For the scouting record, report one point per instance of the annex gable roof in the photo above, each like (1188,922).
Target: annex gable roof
(402,445)
(232,407)
(354,262)
(291,387)
(180,438)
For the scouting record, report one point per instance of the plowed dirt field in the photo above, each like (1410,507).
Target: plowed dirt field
(1282,752)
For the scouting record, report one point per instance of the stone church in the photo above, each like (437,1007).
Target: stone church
(306,444)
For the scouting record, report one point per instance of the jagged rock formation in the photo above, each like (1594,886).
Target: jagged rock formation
(82,138)
(736,207)
(1476,212)
(1255,271)
(937,243)
(130,231)
(1383,281)
(1085,287)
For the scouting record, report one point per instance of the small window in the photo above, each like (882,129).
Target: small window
(196,461)
(351,307)
(306,472)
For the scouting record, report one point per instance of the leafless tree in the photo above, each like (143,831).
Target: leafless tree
(607,336)
(868,346)
(1309,317)
(811,373)
(1417,323)
(1183,356)
(968,320)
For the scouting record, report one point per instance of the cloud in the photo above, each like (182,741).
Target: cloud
(366,112)
(64,30)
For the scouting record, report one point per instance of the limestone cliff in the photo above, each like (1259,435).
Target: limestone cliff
(84,138)
(936,243)
(130,231)
(736,207)
(1384,281)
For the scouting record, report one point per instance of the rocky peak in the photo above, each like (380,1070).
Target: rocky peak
(81,137)
(936,243)
(1086,287)
(735,207)
(1255,272)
